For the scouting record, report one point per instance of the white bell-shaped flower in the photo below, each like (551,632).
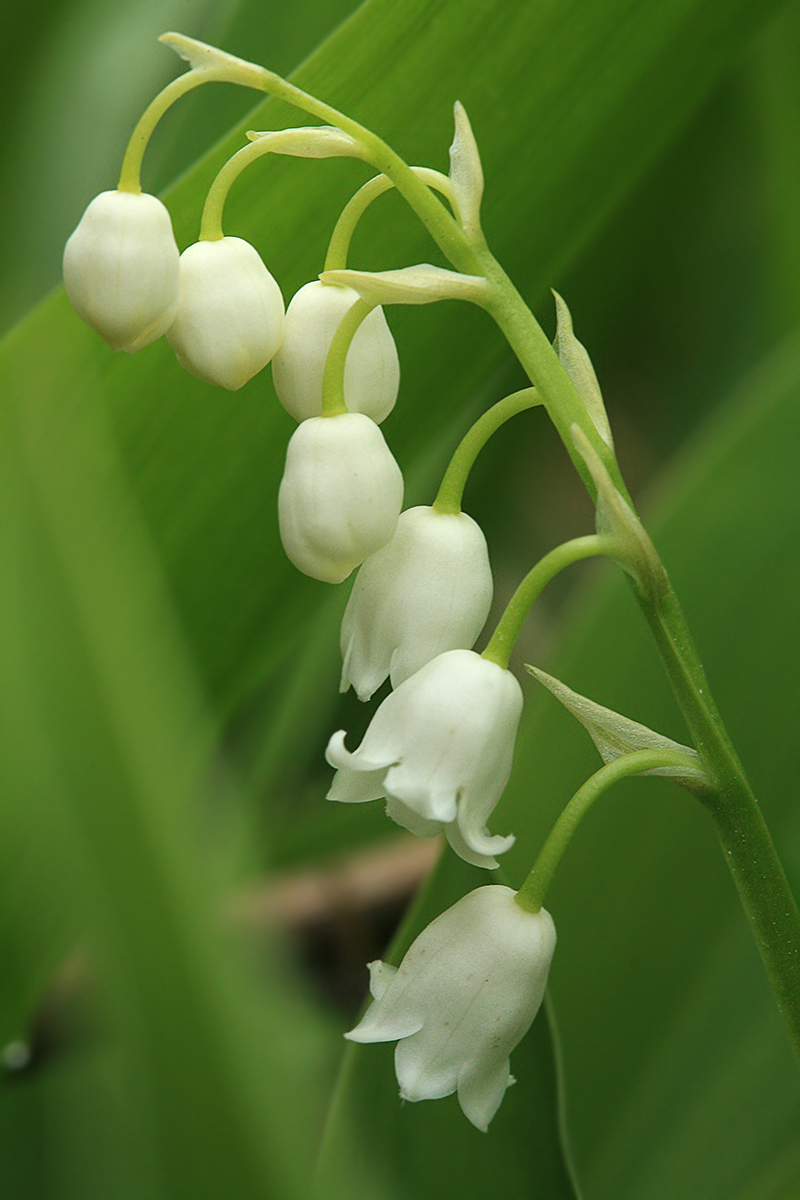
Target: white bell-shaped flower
(427,591)
(340,495)
(230,315)
(121,269)
(463,997)
(371,372)
(439,748)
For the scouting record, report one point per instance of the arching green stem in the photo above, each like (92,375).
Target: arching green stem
(268,143)
(508,627)
(451,489)
(130,172)
(339,246)
(532,894)
(333,403)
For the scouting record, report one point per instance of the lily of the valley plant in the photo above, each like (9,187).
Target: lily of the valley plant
(439,748)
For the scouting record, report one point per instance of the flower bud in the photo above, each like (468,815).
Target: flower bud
(340,495)
(427,591)
(230,313)
(121,269)
(462,999)
(372,370)
(439,748)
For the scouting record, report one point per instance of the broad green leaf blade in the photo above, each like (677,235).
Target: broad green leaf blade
(679,1077)
(432,1147)
(107,808)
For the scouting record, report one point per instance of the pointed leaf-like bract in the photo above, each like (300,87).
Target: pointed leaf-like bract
(576,362)
(202,57)
(310,141)
(615,735)
(422,284)
(466,173)
(615,519)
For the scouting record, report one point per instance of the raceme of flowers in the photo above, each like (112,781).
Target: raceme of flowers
(439,748)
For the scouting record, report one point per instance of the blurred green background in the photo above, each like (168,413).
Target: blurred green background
(169,682)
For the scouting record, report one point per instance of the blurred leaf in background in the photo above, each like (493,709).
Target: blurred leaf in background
(170,681)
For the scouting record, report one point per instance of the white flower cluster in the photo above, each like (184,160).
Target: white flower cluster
(440,746)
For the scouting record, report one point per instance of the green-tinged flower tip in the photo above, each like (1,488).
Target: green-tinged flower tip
(427,591)
(462,999)
(439,749)
(230,316)
(340,495)
(121,269)
(372,368)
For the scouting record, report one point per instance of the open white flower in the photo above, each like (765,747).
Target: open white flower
(439,748)
(230,316)
(463,997)
(427,591)
(340,495)
(371,372)
(121,269)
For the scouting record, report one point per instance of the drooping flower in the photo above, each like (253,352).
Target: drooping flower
(372,370)
(463,997)
(230,315)
(121,269)
(340,495)
(439,748)
(427,591)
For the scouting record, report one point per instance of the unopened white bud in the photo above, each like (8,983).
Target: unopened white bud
(121,269)
(230,313)
(371,372)
(340,495)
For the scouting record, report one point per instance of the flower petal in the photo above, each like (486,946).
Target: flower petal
(381,975)
(433,803)
(408,819)
(456,840)
(340,757)
(481,1087)
(383,1022)
(421,1072)
(477,836)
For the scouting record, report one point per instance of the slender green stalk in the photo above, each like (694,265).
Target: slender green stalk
(130,172)
(333,403)
(268,143)
(531,895)
(451,489)
(508,627)
(748,847)
(339,245)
